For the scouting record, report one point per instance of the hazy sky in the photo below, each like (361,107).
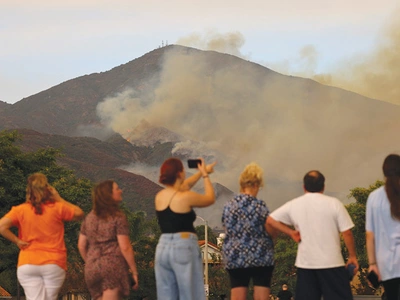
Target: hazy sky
(44,43)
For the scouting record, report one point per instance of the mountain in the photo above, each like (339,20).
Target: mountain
(4,105)
(184,102)
(99,160)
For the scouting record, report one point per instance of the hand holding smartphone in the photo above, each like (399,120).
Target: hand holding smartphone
(193,163)
(373,279)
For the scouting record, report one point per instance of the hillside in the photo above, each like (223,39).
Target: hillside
(179,101)
(97,161)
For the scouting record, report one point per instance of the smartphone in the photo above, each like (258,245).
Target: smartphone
(373,279)
(350,271)
(193,163)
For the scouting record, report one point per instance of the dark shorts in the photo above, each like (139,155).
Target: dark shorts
(332,284)
(392,288)
(241,277)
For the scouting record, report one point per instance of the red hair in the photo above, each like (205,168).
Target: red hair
(169,171)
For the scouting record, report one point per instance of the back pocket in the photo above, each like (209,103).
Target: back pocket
(183,254)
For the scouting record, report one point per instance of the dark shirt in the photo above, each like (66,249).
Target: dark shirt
(285,295)
(172,222)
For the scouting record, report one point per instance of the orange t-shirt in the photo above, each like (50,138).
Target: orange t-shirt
(44,232)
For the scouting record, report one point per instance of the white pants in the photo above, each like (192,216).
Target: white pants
(41,282)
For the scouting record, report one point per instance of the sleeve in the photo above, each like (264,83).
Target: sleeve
(13,215)
(122,226)
(369,221)
(224,215)
(282,214)
(344,220)
(264,211)
(67,211)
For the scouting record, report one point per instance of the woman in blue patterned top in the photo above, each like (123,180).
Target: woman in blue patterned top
(248,247)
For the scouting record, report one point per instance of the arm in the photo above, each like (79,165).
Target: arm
(272,224)
(192,180)
(272,231)
(82,246)
(127,251)
(370,243)
(202,200)
(78,212)
(351,248)
(206,199)
(5,225)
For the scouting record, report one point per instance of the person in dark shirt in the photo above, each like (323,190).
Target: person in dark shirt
(285,294)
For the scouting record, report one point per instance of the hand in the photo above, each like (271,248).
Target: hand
(21,244)
(353,260)
(295,235)
(376,270)
(202,167)
(54,194)
(210,168)
(135,286)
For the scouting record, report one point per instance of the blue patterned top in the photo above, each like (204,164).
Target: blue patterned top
(247,244)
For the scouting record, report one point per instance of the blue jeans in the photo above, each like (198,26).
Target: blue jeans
(179,267)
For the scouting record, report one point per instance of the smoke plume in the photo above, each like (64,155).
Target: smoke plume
(229,43)
(375,74)
(237,112)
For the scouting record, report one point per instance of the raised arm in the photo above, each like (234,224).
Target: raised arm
(206,199)
(192,180)
(78,212)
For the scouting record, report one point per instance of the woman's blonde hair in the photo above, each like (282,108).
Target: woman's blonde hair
(251,176)
(37,192)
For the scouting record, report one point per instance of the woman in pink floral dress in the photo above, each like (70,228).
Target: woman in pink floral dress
(105,246)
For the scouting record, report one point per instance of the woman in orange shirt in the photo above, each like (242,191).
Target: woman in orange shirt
(40,220)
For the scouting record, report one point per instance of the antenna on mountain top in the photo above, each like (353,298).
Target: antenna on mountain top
(166,43)
(162,43)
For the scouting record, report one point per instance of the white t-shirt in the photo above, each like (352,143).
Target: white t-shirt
(386,234)
(320,219)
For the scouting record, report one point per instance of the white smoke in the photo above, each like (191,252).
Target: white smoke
(238,112)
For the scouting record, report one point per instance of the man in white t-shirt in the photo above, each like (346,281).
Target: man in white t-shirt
(320,219)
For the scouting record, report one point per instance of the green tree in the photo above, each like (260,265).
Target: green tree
(218,280)
(15,167)
(210,234)
(357,212)
(285,256)
(144,237)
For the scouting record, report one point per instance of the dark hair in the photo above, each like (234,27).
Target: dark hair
(169,171)
(103,203)
(391,170)
(314,182)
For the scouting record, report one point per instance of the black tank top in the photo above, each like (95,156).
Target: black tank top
(172,222)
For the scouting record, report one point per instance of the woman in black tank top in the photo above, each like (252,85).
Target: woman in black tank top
(178,263)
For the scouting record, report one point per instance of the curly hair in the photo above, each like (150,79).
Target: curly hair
(251,176)
(104,205)
(37,192)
